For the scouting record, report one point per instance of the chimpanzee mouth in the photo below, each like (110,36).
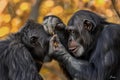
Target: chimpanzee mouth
(74,49)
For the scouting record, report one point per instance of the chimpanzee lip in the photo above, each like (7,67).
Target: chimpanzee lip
(73,49)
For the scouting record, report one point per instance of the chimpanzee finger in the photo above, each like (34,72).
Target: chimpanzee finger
(45,25)
(49,25)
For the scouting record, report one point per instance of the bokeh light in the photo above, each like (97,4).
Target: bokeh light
(4,30)
(14,13)
(25,6)
(6,18)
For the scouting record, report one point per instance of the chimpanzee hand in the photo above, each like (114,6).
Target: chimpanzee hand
(51,23)
(55,46)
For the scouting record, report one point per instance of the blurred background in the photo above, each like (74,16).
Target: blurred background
(14,13)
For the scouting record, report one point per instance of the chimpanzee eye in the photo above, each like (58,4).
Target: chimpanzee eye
(33,39)
(88,25)
(71,32)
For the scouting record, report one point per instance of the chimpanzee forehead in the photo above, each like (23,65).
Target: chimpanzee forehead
(81,15)
(30,25)
(37,30)
(32,28)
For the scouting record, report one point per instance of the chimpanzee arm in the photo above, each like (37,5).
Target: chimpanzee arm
(77,69)
(20,63)
(53,24)
(103,64)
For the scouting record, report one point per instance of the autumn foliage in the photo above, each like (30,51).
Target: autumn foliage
(14,13)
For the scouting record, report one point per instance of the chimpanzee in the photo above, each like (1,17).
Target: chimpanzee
(54,25)
(89,35)
(85,43)
(21,52)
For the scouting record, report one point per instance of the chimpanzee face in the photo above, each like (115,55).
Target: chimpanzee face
(80,36)
(35,39)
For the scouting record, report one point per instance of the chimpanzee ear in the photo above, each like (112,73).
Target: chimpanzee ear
(88,25)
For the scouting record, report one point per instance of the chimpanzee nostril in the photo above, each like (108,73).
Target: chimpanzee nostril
(70,39)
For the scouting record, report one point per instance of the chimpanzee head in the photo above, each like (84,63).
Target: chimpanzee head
(35,39)
(53,24)
(83,27)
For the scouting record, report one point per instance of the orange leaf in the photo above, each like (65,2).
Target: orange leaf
(3,4)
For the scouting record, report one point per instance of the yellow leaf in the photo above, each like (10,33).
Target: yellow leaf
(85,1)
(49,3)
(3,4)
(15,24)
(25,6)
(7,18)
(16,1)
(57,10)
(4,31)
(99,3)
(19,12)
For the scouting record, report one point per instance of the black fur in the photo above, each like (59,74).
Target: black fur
(101,48)
(55,24)
(20,52)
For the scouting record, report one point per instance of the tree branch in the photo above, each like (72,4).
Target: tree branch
(35,10)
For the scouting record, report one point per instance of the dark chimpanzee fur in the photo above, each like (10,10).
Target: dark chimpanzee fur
(54,25)
(21,51)
(98,40)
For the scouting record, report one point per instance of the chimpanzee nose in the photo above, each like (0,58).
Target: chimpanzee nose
(73,46)
(73,43)
(71,38)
